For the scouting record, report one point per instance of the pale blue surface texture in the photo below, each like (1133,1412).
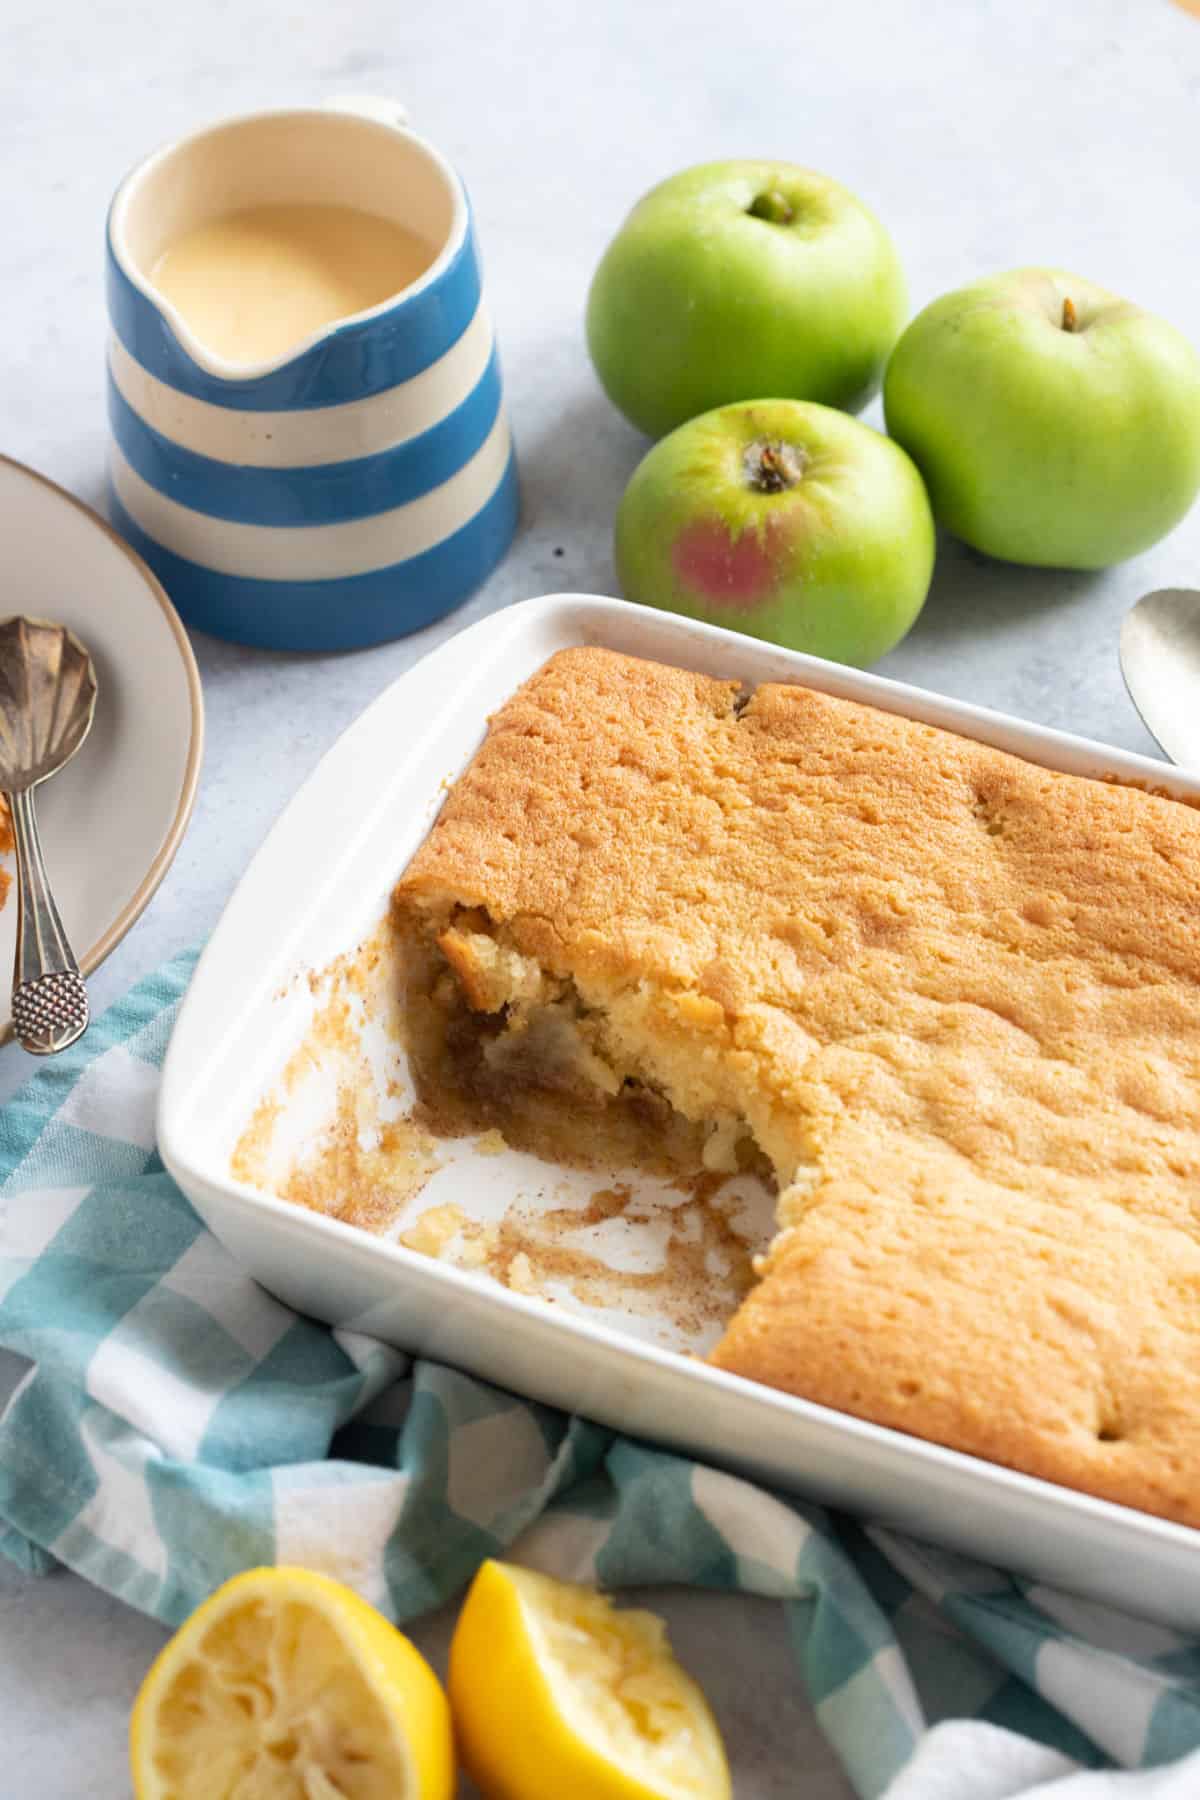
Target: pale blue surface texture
(985,135)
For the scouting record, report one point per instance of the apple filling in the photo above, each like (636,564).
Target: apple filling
(496,1042)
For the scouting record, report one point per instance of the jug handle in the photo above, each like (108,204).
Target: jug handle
(369,106)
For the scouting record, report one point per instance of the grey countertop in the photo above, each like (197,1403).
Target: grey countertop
(986,135)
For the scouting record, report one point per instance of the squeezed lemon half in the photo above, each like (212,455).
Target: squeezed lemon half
(556,1693)
(286,1685)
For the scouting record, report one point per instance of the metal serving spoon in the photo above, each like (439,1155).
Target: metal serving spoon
(47,702)
(1160,660)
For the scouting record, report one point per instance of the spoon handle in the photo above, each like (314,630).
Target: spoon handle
(49,1003)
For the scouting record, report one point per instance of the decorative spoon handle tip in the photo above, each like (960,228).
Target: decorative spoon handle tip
(50,1012)
(49,1003)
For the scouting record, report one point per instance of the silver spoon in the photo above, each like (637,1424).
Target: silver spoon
(1160,661)
(47,702)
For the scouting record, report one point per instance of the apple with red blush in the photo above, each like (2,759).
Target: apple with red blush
(783,519)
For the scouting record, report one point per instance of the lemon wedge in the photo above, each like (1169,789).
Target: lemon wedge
(556,1693)
(285,1685)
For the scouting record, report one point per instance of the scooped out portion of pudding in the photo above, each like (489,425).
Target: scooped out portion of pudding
(948,999)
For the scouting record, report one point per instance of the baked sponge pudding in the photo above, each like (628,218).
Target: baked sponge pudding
(951,998)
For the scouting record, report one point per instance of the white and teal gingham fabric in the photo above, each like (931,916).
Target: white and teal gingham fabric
(177,1424)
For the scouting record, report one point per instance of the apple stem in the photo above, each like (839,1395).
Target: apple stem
(772,207)
(772,468)
(1070,318)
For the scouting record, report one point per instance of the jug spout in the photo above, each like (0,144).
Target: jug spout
(357,479)
(325,167)
(344,249)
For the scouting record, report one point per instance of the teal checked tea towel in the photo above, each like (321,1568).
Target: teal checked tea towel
(176,1424)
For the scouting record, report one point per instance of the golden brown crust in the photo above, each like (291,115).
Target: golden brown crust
(1060,1340)
(885,946)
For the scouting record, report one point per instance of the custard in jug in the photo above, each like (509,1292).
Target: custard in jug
(252,285)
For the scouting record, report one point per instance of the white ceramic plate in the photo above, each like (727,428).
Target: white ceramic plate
(113,819)
(368,806)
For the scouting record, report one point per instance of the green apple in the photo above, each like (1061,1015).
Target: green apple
(782,519)
(1053,422)
(737,279)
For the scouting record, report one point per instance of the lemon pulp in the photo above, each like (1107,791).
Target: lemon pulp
(554,1689)
(287,1686)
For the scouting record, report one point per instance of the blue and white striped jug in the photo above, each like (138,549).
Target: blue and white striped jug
(356,488)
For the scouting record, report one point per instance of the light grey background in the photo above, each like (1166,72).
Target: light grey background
(987,133)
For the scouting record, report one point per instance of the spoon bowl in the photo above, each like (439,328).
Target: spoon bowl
(1160,663)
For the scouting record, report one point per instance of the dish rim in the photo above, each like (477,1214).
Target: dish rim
(887,1443)
(139,900)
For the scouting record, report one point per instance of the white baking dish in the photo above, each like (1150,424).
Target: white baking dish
(319,885)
